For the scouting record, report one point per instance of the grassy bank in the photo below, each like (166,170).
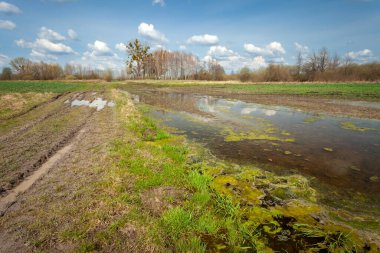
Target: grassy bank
(167,195)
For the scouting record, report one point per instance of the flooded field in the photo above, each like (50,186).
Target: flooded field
(340,155)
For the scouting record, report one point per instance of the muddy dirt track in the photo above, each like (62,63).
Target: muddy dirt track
(57,143)
(37,135)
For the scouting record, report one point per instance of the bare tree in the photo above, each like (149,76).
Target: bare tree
(323,59)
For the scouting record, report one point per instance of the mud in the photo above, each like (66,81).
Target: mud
(39,217)
(11,198)
(25,148)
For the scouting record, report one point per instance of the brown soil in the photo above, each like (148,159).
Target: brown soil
(51,203)
(160,199)
(25,148)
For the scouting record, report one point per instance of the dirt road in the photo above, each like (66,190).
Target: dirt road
(45,159)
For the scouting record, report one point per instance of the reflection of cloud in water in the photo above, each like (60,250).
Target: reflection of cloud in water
(207,104)
(270,112)
(98,103)
(248,110)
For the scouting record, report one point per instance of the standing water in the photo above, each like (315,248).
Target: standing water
(340,155)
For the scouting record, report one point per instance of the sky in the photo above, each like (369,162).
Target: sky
(252,33)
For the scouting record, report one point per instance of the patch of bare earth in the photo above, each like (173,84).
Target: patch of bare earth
(158,200)
(36,136)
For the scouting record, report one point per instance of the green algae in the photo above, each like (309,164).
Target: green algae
(328,149)
(312,119)
(284,207)
(265,135)
(351,126)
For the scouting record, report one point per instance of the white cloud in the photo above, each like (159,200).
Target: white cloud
(149,32)
(47,45)
(7,25)
(231,60)
(3,59)
(100,57)
(205,39)
(99,48)
(51,47)
(220,51)
(272,49)
(50,35)
(182,47)
(358,54)
(159,2)
(301,48)
(120,47)
(72,34)
(9,8)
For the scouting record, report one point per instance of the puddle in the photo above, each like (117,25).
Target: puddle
(98,103)
(339,153)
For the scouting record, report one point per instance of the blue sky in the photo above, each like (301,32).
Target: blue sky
(237,33)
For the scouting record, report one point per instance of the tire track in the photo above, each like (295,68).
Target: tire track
(45,163)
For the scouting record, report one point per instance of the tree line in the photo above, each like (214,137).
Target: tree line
(318,66)
(143,63)
(25,69)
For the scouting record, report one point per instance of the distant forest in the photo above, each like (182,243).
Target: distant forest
(161,64)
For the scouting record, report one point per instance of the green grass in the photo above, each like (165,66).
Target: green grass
(42,86)
(328,89)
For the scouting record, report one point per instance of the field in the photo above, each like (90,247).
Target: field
(340,90)
(116,180)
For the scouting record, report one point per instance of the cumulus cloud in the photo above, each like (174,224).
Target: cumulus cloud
(360,56)
(120,47)
(7,25)
(231,60)
(50,35)
(99,48)
(45,46)
(100,56)
(72,34)
(272,49)
(182,47)
(9,8)
(149,32)
(205,39)
(159,2)
(48,45)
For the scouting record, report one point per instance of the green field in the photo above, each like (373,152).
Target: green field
(344,90)
(340,89)
(41,86)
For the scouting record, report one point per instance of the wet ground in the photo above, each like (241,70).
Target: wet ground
(339,154)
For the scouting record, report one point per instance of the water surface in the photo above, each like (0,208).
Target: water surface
(337,153)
